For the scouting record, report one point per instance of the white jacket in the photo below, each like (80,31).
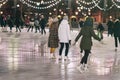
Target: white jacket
(64,32)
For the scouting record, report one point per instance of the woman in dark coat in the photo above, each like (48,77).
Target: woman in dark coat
(116,32)
(87,33)
(110,27)
(10,23)
(100,30)
(53,36)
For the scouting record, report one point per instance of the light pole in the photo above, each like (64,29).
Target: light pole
(69,8)
(15,9)
(104,12)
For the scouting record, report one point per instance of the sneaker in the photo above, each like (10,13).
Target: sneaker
(52,56)
(85,67)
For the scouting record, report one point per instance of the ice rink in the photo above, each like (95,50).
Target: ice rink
(25,56)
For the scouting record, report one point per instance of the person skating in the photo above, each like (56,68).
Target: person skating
(53,36)
(64,37)
(116,32)
(86,33)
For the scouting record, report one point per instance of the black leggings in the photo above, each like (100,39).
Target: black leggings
(61,48)
(85,57)
(117,39)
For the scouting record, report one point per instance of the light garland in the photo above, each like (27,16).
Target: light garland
(42,2)
(97,4)
(2,2)
(87,5)
(46,4)
(118,6)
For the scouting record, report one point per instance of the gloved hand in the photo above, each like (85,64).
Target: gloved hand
(74,43)
(70,42)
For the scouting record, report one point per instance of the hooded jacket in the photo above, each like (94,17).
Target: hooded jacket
(64,31)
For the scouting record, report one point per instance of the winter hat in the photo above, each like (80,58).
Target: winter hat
(116,20)
(65,17)
(55,19)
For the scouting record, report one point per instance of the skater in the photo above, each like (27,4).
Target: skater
(31,25)
(64,37)
(53,37)
(10,22)
(87,33)
(37,26)
(42,24)
(116,32)
(100,30)
(110,27)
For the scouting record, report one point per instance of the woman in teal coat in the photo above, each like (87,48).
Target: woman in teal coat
(87,33)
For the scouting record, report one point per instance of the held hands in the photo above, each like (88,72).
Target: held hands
(70,42)
(74,43)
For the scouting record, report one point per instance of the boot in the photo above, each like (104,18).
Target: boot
(116,49)
(60,57)
(80,68)
(66,58)
(85,67)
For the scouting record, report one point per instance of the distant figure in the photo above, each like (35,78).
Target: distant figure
(64,37)
(27,21)
(17,23)
(3,22)
(74,23)
(31,25)
(100,30)
(81,23)
(110,27)
(37,25)
(86,33)
(10,22)
(116,32)
(43,24)
(53,40)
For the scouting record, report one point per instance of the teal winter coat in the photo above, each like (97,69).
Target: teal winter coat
(87,33)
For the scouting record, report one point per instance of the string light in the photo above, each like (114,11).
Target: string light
(86,5)
(36,5)
(42,2)
(115,3)
(104,9)
(2,2)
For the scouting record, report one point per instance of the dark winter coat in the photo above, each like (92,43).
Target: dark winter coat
(100,27)
(87,33)
(10,22)
(116,29)
(110,25)
(53,35)
(42,23)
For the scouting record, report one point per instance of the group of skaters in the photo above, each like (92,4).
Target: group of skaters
(59,33)
(38,23)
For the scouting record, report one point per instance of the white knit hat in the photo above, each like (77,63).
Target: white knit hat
(65,17)
(116,20)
